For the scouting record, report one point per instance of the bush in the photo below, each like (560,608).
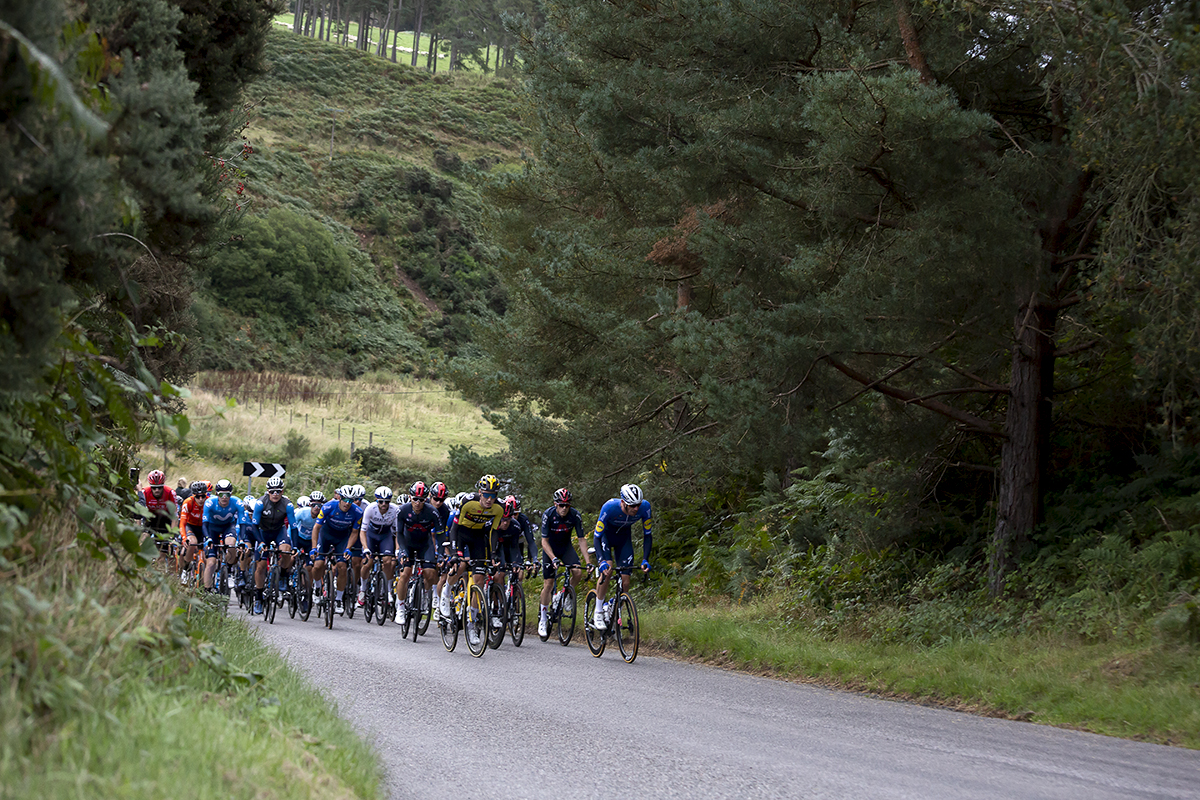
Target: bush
(296,447)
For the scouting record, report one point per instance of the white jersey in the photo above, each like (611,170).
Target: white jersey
(375,521)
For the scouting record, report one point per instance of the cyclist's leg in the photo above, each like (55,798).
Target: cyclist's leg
(387,551)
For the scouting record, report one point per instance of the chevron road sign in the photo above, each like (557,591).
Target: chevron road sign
(258,469)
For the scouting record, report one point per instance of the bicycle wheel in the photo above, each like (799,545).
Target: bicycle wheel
(424,615)
(304,589)
(369,602)
(448,624)
(293,584)
(566,619)
(327,597)
(496,620)
(594,636)
(407,623)
(381,599)
(627,628)
(412,606)
(516,611)
(476,604)
(271,595)
(350,601)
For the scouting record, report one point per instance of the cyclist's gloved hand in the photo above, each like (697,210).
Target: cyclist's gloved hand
(557,563)
(346,553)
(645,565)
(605,567)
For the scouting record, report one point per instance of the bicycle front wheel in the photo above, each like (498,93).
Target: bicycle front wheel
(304,589)
(448,626)
(381,599)
(271,595)
(516,609)
(413,607)
(594,635)
(496,621)
(476,614)
(293,599)
(566,620)
(328,597)
(627,628)
(424,615)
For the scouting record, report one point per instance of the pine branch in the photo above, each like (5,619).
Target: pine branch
(655,451)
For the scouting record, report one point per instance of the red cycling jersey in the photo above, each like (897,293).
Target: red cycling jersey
(158,505)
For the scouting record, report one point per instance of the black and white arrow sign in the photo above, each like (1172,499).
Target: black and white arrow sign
(257,469)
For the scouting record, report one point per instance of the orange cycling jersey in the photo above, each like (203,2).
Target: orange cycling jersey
(192,513)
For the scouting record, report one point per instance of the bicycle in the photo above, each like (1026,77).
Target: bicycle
(326,594)
(416,615)
(271,589)
(466,603)
(620,623)
(377,604)
(506,606)
(300,588)
(562,607)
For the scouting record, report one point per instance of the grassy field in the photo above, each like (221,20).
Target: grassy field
(1141,690)
(417,421)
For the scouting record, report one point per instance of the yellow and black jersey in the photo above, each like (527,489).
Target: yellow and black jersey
(474,517)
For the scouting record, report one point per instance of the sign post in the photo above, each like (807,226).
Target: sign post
(259,469)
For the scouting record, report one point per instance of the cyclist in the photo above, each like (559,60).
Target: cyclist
(512,534)
(557,523)
(469,536)
(191,522)
(358,494)
(614,541)
(220,525)
(272,518)
(378,535)
(417,530)
(337,524)
(161,503)
(439,503)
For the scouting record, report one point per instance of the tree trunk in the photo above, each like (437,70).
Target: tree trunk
(321,14)
(420,17)
(1024,452)
(381,50)
(453,54)
(431,56)
(298,18)
(396,34)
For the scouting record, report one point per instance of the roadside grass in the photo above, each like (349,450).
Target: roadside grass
(1134,689)
(108,693)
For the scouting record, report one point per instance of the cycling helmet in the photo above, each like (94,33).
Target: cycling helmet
(516,501)
(316,498)
(199,488)
(208,486)
(510,507)
(274,483)
(156,477)
(437,491)
(248,501)
(489,483)
(563,495)
(418,491)
(358,491)
(304,501)
(383,493)
(224,486)
(631,494)
(460,498)
(343,492)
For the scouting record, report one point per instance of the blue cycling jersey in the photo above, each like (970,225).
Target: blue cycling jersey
(614,525)
(333,519)
(304,523)
(219,518)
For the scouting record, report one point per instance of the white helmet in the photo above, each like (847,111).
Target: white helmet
(303,501)
(631,494)
(250,501)
(317,497)
(275,483)
(359,491)
(383,493)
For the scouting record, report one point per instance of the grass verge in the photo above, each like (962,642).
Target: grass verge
(108,693)
(1141,690)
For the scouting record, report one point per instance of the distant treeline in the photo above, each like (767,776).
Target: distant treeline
(467,31)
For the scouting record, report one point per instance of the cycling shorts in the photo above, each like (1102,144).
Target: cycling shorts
(569,558)
(424,553)
(473,544)
(217,536)
(621,549)
(334,543)
(299,542)
(194,531)
(508,551)
(383,543)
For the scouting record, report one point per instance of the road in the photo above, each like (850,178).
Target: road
(657,728)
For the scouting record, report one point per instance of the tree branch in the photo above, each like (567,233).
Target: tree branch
(969,420)
(912,45)
(656,451)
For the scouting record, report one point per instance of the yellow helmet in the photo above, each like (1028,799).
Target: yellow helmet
(489,483)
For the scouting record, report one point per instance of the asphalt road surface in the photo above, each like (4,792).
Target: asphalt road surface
(545,720)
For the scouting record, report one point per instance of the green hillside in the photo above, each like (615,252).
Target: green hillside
(361,205)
